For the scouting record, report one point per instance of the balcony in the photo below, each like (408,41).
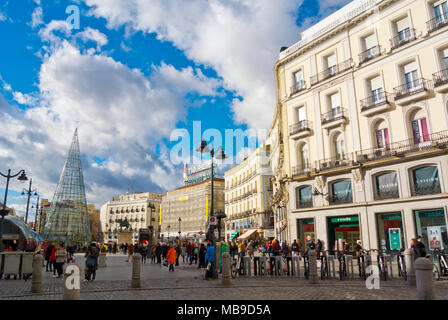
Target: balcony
(369,54)
(331,72)
(300,171)
(412,91)
(402,38)
(300,129)
(335,162)
(376,103)
(334,118)
(397,150)
(297,87)
(437,23)
(441,81)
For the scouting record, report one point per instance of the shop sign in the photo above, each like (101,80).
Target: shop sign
(435,238)
(269,233)
(345,219)
(11,237)
(395,238)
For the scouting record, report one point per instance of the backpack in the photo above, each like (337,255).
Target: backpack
(90,262)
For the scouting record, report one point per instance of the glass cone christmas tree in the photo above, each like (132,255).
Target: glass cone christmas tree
(68,220)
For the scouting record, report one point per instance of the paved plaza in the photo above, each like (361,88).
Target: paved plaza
(186,283)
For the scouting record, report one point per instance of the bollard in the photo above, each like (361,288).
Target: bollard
(136,269)
(349,262)
(409,258)
(102,260)
(246,264)
(262,266)
(225,269)
(331,267)
(295,266)
(424,279)
(72,282)
(36,284)
(313,278)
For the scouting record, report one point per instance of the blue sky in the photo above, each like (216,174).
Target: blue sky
(131,74)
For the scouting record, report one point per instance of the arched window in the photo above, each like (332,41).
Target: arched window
(382,135)
(303,157)
(419,126)
(386,186)
(425,180)
(338,146)
(304,197)
(341,192)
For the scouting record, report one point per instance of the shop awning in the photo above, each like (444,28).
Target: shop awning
(247,234)
(233,236)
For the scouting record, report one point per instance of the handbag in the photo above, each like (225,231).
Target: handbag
(165,263)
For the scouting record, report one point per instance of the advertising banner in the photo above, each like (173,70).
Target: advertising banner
(435,238)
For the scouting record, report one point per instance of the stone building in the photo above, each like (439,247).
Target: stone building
(130,212)
(190,203)
(359,137)
(248,189)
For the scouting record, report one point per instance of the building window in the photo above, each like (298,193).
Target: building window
(386,186)
(335,105)
(441,11)
(376,90)
(341,192)
(431,225)
(304,157)
(339,147)
(425,181)
(419,128)
(411,75)
(390,231)
(331,64)
(299,83)
(304,197)
(382,135)
(370,48)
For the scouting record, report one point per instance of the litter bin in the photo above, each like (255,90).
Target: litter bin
(26,269)
(102,260)
(12,264)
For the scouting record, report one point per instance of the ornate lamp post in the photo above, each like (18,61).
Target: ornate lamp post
(180,220)
(203,148)
(4,212)
(29,193)
(169,233)
(37,212)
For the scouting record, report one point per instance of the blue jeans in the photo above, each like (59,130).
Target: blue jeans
(171,267)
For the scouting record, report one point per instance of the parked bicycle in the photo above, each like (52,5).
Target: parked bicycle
(362,264)
(236,267)
(306,264)
(443,265)
(324,271)
(382,266)
(342,265)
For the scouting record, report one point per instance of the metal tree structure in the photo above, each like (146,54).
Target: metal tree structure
(68,219)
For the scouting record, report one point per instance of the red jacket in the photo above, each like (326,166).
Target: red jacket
(53,255)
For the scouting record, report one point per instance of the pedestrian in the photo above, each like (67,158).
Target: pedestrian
(130,252)
(295,248)
(202,252)
(153,253)
(53,259)
(144,253)
(320,248)
(195,254)
(91,256)
(159,253)
(178,253)
(61,258)
(209,260)
(421,245)
(164,251)
(48,251)
(171,257)
(183,253)
(419,251)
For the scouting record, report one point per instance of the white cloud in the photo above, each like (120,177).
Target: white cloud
(238,39)
(2,17)
(47,33)
(37,17)
(94,35)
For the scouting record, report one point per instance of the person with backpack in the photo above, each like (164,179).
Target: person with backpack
(48,252)
(91,256)
(60,259)
(209,260)
(202,252)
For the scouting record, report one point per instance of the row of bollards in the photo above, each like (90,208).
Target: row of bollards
(419,273)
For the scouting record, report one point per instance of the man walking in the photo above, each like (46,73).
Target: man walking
(209,260)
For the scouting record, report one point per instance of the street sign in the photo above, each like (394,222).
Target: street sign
(213,221)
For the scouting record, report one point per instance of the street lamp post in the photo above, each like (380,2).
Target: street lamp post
(169,233)
(180,220)
(29,193)
(203,148)
(4,212)
(37,211)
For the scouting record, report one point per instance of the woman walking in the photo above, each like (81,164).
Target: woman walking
(92,262)
(171,257)
(60,259)
(130,252)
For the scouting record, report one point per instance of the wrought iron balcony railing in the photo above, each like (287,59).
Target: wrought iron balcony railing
(300,170)
(400,148)
(370,54)
(402,38)
(298,86)
(331,71)
(335,162)
(411,88)
(437,23)
(440,78)
(376,100)
(334,115)
(304,125)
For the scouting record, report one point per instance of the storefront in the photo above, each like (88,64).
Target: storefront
(431,225)
(344,228)
(390,231)
(305,232)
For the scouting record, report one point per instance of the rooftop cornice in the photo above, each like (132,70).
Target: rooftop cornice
(352,13)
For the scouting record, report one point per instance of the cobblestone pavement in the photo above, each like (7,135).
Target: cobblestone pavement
(113,283)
